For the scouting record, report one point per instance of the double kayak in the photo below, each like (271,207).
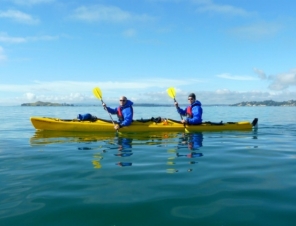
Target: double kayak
(142,125)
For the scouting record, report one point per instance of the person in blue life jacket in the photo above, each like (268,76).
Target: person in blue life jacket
(193,112)
(124,112)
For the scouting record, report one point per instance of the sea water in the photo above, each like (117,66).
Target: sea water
(207,178)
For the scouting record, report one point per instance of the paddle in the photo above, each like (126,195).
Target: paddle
(172,93)
(98,94)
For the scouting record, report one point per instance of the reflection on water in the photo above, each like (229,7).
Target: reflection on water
(124,150)
(124,146)
(188,146)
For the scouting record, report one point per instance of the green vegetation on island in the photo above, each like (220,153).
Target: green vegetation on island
(40,103)
(267,103)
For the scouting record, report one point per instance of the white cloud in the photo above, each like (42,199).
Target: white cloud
(31,2)
(223,91)
(102,13)
(70,91)
(236,77)
(43,38)
(71,97)
(141,91)
(211,7)
(130,33)
(8,39)
(2,55)
(145,96)
(69,86)
(257,30)
(283,81)
(280,81)
(232,97)
(260,73)
(30,96)
(18,16)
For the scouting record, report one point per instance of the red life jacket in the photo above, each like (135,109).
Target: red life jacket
(119,113)
(189,111)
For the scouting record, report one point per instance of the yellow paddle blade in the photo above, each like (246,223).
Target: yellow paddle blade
(98,93)
(171,92)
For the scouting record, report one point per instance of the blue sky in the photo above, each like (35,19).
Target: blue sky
(226,51)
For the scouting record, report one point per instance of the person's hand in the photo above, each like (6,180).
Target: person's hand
(183,121)
(104,105)
(176,104)
(116,127)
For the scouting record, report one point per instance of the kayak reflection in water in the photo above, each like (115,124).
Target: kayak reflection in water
(192,141)
(125,150)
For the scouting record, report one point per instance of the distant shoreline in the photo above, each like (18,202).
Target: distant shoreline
(40,103)
(290,103)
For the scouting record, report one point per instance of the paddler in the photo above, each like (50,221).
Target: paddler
(124,112)
(193,112)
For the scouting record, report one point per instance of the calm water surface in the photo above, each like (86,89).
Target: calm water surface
(208,178)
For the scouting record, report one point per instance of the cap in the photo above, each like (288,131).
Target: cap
(192,95)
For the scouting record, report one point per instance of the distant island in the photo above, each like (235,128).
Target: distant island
(288,103)
(40,103)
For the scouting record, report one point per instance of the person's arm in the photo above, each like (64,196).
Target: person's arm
(128,117)
(111,110)
(181,111)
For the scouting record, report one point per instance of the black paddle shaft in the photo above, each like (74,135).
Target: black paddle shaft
(105,107)
(177,108)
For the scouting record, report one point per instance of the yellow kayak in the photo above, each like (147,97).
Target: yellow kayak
(165,125)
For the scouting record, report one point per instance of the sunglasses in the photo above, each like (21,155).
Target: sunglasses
(122,100)
(190,99)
